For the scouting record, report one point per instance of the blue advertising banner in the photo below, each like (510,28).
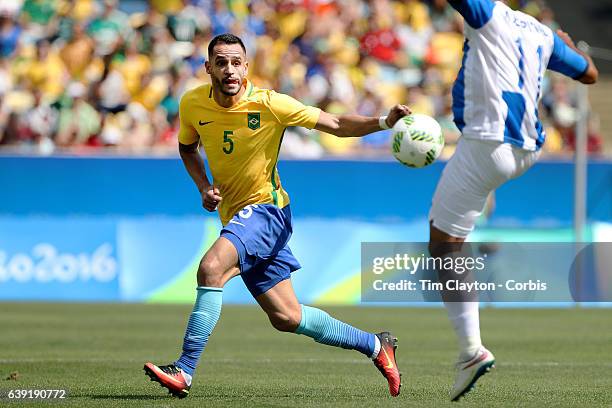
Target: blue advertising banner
(112,229)
(155,259)
(58,259)
(134,187)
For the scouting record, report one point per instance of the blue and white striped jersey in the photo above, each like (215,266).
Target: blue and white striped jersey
(499,85)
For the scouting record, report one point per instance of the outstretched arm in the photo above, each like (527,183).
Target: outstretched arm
(356,125)
(566,60)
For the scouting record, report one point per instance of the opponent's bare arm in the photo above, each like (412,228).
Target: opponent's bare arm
(195,167)
(591,75)
(356,125)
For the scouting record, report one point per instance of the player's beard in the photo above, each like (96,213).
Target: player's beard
(230,93)
(221,87)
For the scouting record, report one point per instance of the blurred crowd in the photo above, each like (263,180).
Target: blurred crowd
(96,76)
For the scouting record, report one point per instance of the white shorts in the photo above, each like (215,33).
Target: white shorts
(476,169)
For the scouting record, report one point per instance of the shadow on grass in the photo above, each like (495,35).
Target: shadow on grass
(128,397)
(210,396)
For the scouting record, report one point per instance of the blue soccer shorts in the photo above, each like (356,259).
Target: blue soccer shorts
(260,233)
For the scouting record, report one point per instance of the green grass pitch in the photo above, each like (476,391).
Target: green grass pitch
(545,357)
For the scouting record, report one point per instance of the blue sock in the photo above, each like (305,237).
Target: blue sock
(324,329)
(202,321)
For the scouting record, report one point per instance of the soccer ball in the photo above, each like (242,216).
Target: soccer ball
(417,140)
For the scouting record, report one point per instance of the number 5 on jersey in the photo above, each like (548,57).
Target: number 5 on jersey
(227,139)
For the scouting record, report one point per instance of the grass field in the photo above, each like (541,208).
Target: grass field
(96,351)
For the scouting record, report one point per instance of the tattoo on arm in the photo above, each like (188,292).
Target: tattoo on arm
(190,148)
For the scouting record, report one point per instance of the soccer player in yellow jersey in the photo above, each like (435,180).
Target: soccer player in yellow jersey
(241,128)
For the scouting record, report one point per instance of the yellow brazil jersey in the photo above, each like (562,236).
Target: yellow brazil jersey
(242,142)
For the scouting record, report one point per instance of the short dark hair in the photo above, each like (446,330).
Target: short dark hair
(226,38)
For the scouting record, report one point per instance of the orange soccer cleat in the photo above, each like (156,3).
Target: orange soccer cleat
(385,362)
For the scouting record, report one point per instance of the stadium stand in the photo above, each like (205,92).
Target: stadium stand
(94,77)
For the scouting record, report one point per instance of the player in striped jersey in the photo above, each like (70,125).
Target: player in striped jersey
(495,106)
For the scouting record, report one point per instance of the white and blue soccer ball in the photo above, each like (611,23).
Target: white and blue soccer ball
(417,140)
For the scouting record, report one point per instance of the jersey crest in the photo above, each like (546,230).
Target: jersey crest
(254,120)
